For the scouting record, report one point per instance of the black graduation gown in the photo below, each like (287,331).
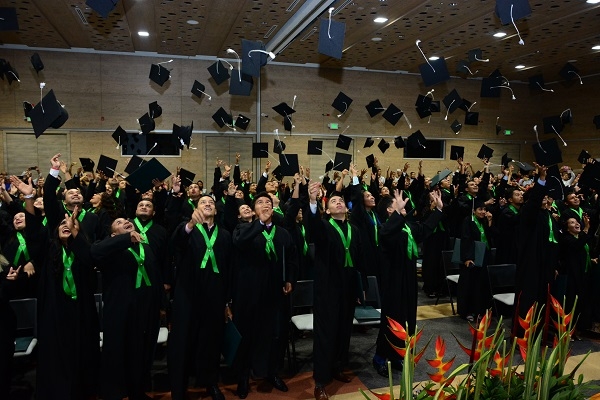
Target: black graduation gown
(260,309)
(24,288)
(508,236)
(8,330)
(399,274)
(158,242)
(335,294)
(198,308)
(130,316)
(305,261)
(68,329)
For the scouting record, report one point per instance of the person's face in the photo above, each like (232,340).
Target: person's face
(63,231)
(427,182)
(299,216)
(479,212)
(271,186)
(445,183)
(149,195)
(194,191)
(368,199)
(108,189)
(566,176)
(572,200)
(472,187)
(145,209)
(573,226)
(517,197)
(19,221)
(336,206)
(263,207)
(245,212)
(207,205)
(385,191)
(121,226)
(73,197)
(412,175)
(252,188)
(95,200)
(239,194)
(200,185)
(122,184)
(39,203)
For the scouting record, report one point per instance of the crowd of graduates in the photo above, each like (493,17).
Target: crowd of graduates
(235,252)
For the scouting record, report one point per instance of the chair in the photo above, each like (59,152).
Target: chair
(26,312)
(452,272)
(501,278)
(301,300)
(371,299)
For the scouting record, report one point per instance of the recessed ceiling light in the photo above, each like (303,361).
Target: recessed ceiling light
(192,22)
(143,34)
(380,20)
(376,39)
(520,66)
(596,48)
(433,58)
(593,1)
(572,61)
(499,34)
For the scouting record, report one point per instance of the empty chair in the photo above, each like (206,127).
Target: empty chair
(26,312)
(502,287)
(372,314)
(452,272)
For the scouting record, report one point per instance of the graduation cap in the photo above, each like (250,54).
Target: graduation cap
(457,152)
(505,160)
(343,142)
(490,87)
(452,101)
(597,121)
(416,140)
(183,134)
(525,167)
(370,160)
(240,86)
(583,157)
(242,122)
(87,164)
(341,103)
(553,124)
(465,105)
(159,74)
(218,72)
(399,142)
(569,71)
(120,136)
(155,110)
(277,173)
(186,177)
(147,124)
(547,152)
(537,82)
(471,118)
(8,19)
(383,145)
(287,123)
(315,147)
(341,161)
(36,62)
(283,109)
(435,106)
(199,89)
(260,150)
(368,142)
(485,152)
(439,177)
(512,10)
(49,113)
(590,177)
(566,117)
(253,57)
(222,118)
(392,114)
(374,107)
(278,146)
(435,73)
(135,144)
(288,164)
(463,67)
(142,178)
(134,163)
(456,127)
(10,73)
(328,166)
(102,7)
(107,165)
(423,112)
(27,107)
(331,37)
(476,55)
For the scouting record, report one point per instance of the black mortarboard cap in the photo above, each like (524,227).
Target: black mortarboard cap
(219,72)
(485,152)
(242,122)
(374,107)
(435,106)
(70,184)
(186,177)
(251,62)
(155,110)
(87,164)
(505,160)
(343,142)
(222,118)
(416,140)
(107,165)
(554,184)
(457,152)
(288,164)
(471,118)
(341,161)
(183,134)
(547,152)
(512,10)
(142,178)
(463,66)
(537,82)
(102,7)
(399,142)
(475,55)
(392,114)
(383,145)
(315,147)
(431,77)
(465,105)
(423,102)
(10,73)
(583,157)
(278,146)
(568,72)
(489,87)
(135,144)
(134,163)
(341,102)
(120,136)
(423,112)
(553,124)
(525,167)
(159,74)
(260,150)
(287,123)
(439,177)
(199,89)
(456,126)
(277,173)
(36,62)
(283,109)
(590,177)
(452,101)
(368,142)
(241,87)
(147,124)
(370,160)
(331,38)
(328,166)
(597,121)
(47,113)
(566,116)
(8,19)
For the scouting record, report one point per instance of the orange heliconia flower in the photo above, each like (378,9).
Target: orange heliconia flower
(438,363)
(500,362)
(382,396)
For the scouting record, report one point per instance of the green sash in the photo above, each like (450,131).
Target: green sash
(209,253)
(81,215)
(141,270)
(374,218)
(278,211)
(412,249)
(269,246)
(551,237)
(513,209)
(143,229)
(482,232)
(305,245)
(192,204)
(22,249)
(345,241)
(68,281)
(588,260)
(578,212)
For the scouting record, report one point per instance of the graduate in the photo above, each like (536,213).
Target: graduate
(293,222)
(201,300)
(508,224)
(8,327)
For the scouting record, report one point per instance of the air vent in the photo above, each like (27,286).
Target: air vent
(340,8)
(293,5)
(81,16)
(270,31)
(308,34)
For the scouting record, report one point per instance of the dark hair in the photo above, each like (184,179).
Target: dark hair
(334,194)
(382,206)
(262,194)
(113,208)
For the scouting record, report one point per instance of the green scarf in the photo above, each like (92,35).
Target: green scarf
(374,218)
(68,282)
(209,253)
(143,229)
(412,250)
(513,209)
(345,241)
(81,215)
(551,237)
(21,250)
(305,245)
(141,269)
(269,246)
(481,232)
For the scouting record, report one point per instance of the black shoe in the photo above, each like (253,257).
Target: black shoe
(278,383)
(215,392)
(242,389)
(381,369)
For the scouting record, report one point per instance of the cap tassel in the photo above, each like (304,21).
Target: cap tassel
(482,60)
(559,184)
(537,137)
(239,61)
(430,93)
(471,106)
(330,159)
(164,62)
(344,131)
(560,137)
(426,59)
(580,80)
(151,148)
(269,53)
(497,130)
(469,69)
(544,89)
(206,94)
(42,97)
(226,62)
(448,110)
(15,75)
(282,151)
(329,26)
(521,42)
(345,109)
(408,122)
(420,144)
(506,87)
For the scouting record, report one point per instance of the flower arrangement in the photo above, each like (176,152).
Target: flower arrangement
(495,369)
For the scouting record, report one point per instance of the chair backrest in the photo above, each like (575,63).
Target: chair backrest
(449,267)
(26,312)
(372,294)
(303,294)
(502,277)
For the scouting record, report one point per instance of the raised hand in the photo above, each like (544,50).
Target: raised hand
(176,183)
(135,237)
(55,161)
(25,188)
(73,222)
(313,191)
(436,196)
(231,188)
(29,269)
(400,202)
(13,274)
